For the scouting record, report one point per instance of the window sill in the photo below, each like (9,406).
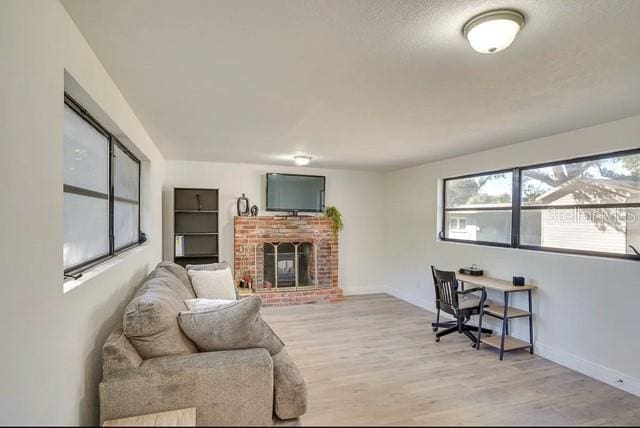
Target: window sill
(555,251)
(70,283)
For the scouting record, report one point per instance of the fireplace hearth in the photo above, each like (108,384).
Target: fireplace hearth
(291,259)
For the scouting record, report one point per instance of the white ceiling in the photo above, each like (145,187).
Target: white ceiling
(367,84)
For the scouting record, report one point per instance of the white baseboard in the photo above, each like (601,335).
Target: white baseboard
(571,361)
(589,368)
(368,289)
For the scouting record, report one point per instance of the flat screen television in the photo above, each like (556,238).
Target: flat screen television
(295,193)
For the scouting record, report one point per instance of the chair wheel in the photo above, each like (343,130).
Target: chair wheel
(435,329)
(437,339)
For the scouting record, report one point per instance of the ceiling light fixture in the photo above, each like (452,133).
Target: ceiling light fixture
(493,31)
(302,160)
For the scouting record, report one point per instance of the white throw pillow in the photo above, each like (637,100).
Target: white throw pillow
(213,284)
(199,305)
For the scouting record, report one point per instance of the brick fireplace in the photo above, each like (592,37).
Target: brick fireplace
(292,260)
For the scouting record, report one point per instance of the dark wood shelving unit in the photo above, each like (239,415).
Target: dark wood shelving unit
(196,226)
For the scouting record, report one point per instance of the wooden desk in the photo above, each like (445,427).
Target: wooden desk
(504,342)
(174,418)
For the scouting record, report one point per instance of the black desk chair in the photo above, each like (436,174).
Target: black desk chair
(437,325)
(462,305)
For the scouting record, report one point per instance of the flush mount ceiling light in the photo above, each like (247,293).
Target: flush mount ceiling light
(493,31)
(302,160)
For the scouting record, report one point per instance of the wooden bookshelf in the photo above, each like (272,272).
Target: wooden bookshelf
(195,226)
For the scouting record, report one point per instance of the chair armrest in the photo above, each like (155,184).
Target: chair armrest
(483,298)
(225,387)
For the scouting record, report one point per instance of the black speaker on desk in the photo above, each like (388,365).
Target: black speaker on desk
(518,281)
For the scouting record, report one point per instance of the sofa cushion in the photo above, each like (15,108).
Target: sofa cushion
(150,318)
(179,272)
(213,284)
(168,280)
(237,325)
(290,389)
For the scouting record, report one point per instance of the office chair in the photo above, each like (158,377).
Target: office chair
(437,325)
(459,304)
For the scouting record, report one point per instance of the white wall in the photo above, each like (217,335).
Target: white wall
(585,307)
(51,340)
(358,195)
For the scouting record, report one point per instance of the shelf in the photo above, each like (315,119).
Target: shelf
(497,310)
(195,200)
(196,233)
(196,226)
(510,343)
(192,256)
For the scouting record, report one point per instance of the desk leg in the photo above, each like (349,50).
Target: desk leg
(505,320)
(530,323)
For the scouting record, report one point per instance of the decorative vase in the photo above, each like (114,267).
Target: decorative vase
(254,211)
(243,206)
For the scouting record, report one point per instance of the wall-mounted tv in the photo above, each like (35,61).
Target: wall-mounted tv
(295,193)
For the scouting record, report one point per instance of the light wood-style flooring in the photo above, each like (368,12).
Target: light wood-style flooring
(372,360)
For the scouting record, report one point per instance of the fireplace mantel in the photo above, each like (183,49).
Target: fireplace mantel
(313,234)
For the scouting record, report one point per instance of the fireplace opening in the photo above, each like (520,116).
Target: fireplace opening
(289,264)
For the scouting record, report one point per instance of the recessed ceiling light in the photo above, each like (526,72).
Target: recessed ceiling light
(493,31)
(302,160)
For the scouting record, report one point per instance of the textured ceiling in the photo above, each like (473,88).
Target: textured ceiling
(360,84)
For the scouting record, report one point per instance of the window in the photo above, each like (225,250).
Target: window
(101,192)
(589,205)
(479,208)
(458,224)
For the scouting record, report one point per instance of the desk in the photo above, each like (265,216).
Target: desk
(504,342)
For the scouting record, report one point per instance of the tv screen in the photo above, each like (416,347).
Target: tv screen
(295,193)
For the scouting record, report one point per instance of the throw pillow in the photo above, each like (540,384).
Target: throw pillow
(213,284)
(200,305)
(209,266)
(237,325)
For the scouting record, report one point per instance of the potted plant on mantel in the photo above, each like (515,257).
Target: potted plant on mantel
(335,216)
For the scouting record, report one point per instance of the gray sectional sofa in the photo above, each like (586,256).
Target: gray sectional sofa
(150,366)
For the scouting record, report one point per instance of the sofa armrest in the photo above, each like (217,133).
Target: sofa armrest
(225,387)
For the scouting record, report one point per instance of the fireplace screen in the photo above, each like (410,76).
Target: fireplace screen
(290,265)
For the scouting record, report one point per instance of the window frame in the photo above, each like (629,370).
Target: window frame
(442,233)
(113,141)
(517,208)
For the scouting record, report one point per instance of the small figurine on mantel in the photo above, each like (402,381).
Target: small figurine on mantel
(247,281)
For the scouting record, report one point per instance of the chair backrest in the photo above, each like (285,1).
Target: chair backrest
(446,287)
